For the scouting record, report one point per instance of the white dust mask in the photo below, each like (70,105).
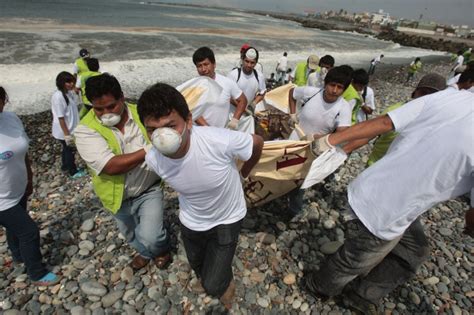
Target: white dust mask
(167,140)
(111,119)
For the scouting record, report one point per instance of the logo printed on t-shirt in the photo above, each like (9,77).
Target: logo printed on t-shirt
(6,155)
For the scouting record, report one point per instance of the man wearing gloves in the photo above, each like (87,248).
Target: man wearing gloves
(218,115)
(200,164)
(112,141)
(385,244)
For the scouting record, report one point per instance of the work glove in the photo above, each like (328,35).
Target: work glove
(321,145)
(232,124)
(293,120)
(69,140)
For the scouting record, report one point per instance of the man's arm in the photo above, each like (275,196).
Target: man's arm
(201,121)
(62,124)
(241,105)
(365,130)
(292,102)
(123,163)
(29,173)
(258,99)
(256,152)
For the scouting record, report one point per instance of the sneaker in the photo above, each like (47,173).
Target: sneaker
(79,174)
(353,301)
(48,280)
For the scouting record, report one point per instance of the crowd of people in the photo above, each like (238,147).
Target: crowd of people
(423,155)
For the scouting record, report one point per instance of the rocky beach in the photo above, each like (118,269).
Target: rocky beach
(79,239)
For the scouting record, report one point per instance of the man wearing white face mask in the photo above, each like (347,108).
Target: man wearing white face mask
(112,141)
(200,164)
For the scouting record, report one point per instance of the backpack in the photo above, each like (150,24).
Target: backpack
(239,72)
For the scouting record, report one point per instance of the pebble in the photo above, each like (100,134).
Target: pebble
(329,224)
(431,281)
(88,225)
(126,274)
(414,298)
(330,247)
(86,245)
(110,298)
(92,287)
(263,302)
(289,279)
(445,231)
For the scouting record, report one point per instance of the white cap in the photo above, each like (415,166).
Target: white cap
(251,54)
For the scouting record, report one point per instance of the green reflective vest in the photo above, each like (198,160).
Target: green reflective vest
(301,75)
(110,188)
(81,66)
(413,68)
(383,142)
(84,76)
(351,94)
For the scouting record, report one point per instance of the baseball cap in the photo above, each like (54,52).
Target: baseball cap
(83,52)
(433,81)
(313,62)
(244,48)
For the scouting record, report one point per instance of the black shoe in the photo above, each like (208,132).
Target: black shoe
(306,284)
(353,301)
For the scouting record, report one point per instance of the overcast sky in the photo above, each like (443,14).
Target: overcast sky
(443,11)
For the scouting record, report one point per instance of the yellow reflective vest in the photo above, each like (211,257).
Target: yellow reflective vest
(110,188)
(81,66)
(351,94)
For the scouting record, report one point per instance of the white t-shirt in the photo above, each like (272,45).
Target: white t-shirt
(13,148)
(282,64)
(369,101)
(248,83)
(430,161)
(459,62)
(376,60)
(317,116)
(60,108)
(218,115)
(207,178)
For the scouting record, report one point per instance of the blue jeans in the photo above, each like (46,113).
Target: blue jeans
(140,220)
(23,239)
(210,254)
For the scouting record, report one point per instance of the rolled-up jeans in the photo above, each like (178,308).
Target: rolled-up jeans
(140,220)
(210,254)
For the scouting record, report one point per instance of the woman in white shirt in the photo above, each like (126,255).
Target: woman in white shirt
(65,118)
(22,232)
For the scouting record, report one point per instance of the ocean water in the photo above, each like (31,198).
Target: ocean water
(142,43)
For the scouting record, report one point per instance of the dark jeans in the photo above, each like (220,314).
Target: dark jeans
(23,239)
(369,266)
(67,159)
(210,254)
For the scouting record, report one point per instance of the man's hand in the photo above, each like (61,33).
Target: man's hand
(366,109)
(232,124)
(321,145)
(469,229)
(69,140)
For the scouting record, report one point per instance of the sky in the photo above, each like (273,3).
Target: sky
(456,12)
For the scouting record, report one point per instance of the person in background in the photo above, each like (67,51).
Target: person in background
(112,141)
(316,78)
(360,82)
(80,64)
(353,96)
(413,68)
(457,64)
(281,67)
(22,233)
(385,243)
(200,164)
(466,81)
(373,63)
(270,82)
(288,76)
(303,70)
(93,66)
(218,115)
(243,49)
(455,79)
(65,119)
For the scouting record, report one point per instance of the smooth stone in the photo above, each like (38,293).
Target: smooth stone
(126,274)
(265,238)
(304,307)
(445,231)
(93,288)
(431,281)
(456,309)
(329,224)
(154,293)
(263,302)
(78,310)
(87,245)
(257,277)
(112,297)
(172,278)
(330,247)
(296,304)
(289,279)
(414,298)
(88,225)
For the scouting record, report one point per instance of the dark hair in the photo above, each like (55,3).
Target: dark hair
(360,76)
(202,54)
(285,54)
(104,84)
(467,76)
(3,95)
(159,100)
(460,52)
(61,79)
(381,56)
(93,64)
(422,91)
(245,52)
(327,60)
(339,75)
(417,59)
(347,69)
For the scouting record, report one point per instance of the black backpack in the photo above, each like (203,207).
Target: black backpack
(239,72)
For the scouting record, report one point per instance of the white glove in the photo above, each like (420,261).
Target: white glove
(293,120)
(321,145)
(147,148)
(232,124)
(69,140)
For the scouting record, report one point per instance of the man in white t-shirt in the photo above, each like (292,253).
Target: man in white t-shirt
(323,111)
(281,67)
(373,63)
(360,81)
(218,115)
(432,160)
(200,164)
(457,63)
(316,78)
